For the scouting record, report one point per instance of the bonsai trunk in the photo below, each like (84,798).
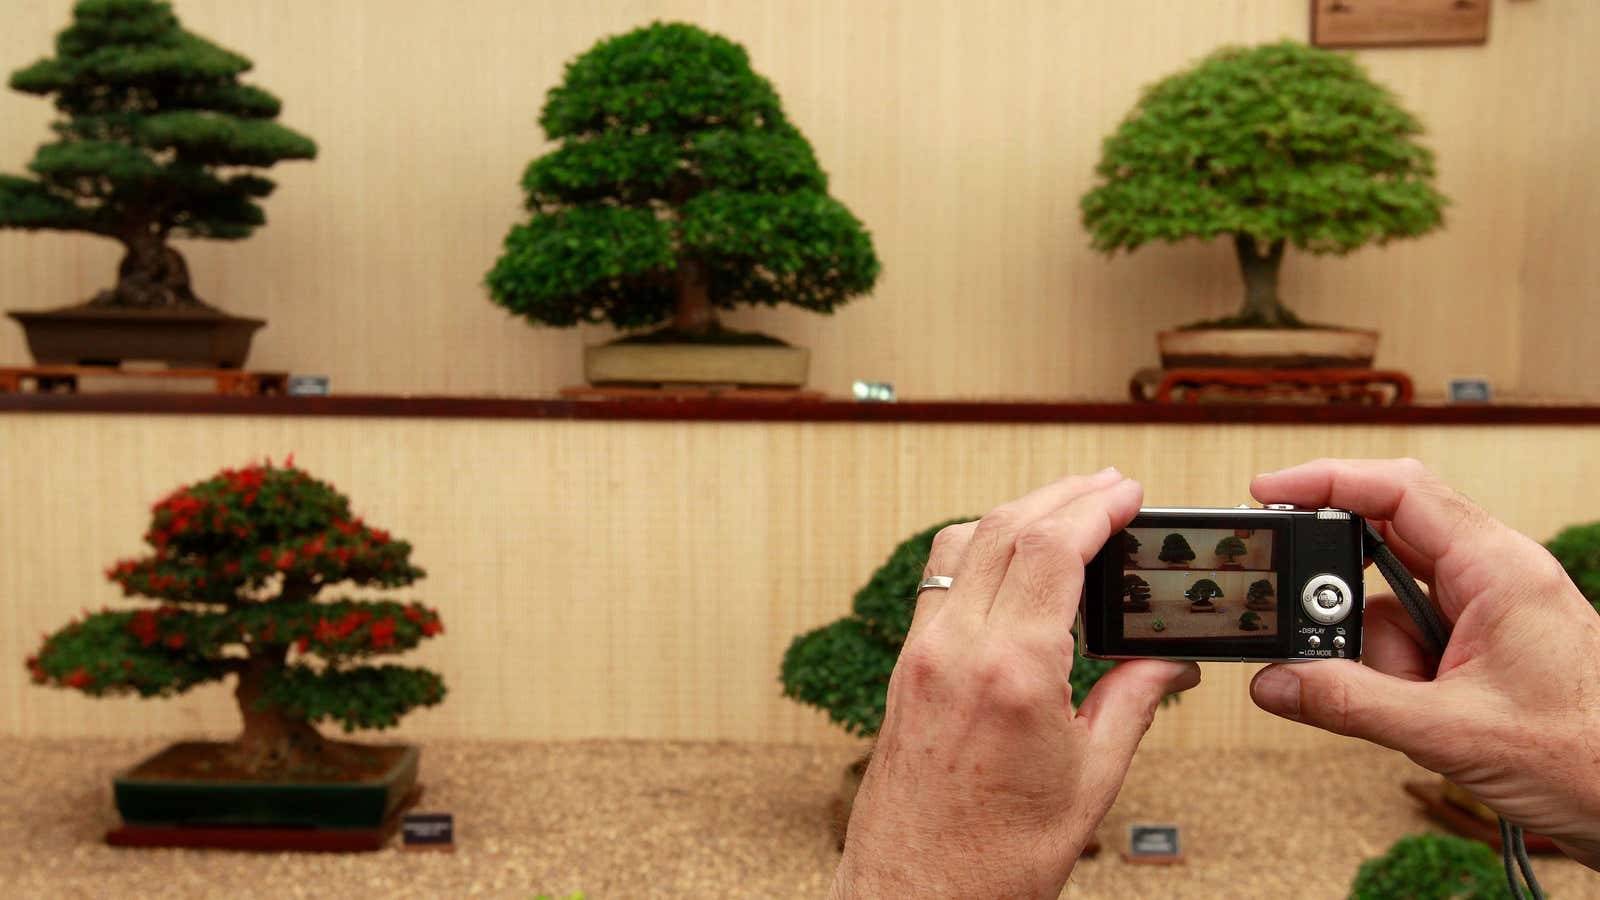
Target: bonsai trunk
(1261,309)
(273,739)
(694,315)
(151,275)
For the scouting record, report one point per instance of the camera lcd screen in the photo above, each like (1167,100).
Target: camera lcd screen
(1186,583)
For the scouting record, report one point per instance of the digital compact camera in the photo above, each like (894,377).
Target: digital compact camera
(1279,584)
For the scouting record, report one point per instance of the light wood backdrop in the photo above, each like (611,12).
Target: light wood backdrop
(962,132)
(643,579)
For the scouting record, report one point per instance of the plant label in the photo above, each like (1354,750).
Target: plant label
(1469,390)
(873,391)
(1153,844)
(429,831)
(308,385)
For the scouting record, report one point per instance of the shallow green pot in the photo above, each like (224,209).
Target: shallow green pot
(146,800)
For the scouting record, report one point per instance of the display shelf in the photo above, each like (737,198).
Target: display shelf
(998,411)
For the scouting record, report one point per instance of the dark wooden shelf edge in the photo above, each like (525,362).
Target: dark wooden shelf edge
(950,411)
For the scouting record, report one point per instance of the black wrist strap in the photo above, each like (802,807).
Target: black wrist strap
(1436,634)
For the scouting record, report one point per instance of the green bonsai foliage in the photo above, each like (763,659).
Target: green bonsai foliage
(1578,550)
(1432,867)
(843,668)
(1250,621)
(155,140)
(236,566)
(1136,593)
(1202,592)
(1271,145)
(1130,547)
(679,189)
(1260,596)
(1175,550)
(1230,549)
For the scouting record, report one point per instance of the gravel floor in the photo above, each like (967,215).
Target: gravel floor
(623,819)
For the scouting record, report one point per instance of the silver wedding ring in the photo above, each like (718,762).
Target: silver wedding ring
(942,582)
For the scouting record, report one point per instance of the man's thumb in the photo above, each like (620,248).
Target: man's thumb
(1345,697)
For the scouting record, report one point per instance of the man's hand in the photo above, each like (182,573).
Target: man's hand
(1511,712)
(984,781)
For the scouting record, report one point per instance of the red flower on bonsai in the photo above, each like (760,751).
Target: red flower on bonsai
(275,559)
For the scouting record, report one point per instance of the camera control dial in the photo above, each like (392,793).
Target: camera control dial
(1327,599)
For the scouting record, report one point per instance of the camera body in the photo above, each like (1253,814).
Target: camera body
(1278,584)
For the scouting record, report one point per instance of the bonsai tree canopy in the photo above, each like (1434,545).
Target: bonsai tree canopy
(1269,146)
(1203,590)
(1175,550)
(1259,595)
(155,141)
(1230,548)
(1432,867)
(679,189)
(843,668)
(1130,546)
(1578,550)
(236,566)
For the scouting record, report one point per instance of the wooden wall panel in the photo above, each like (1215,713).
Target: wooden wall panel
(643,579)
(962,132)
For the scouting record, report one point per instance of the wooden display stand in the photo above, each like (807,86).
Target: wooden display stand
(1461,822)
(1359,387)
(64,379)
(689,392)
(243,837)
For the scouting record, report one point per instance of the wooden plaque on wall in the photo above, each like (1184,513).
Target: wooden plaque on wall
(1398,23)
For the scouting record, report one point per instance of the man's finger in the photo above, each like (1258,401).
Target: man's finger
(1391,641)
(1345,697)
(988,554)
(1426,513)
(1045,580)
(948,547)
(1120,708)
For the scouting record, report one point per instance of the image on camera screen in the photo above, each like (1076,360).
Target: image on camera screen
(1198,583)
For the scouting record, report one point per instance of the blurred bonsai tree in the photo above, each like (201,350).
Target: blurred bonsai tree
(1135,593)
(1202,592)
(1230,549)
(1250,621)
(1260,596)
(843,668)
(1432,867)
(154,141)
(1272,145)
(1130,547)
(679,189)
(1578,550)
(237,563)
(1175,550)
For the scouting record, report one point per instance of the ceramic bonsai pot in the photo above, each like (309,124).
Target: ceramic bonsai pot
(154,792)
(765,365)
(1268,348)
(106,335)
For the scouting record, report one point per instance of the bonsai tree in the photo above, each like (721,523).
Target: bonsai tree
(1201,592)
(1136,593)
(156,139)
(1260,596)
(1230,549)
(1250,621)
(1578,550)
(1130,548)
(1175,550)
(843,668)
(1269,146)
(236,564)
(679,189)
(1432,867)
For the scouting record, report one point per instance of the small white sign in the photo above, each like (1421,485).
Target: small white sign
(308,385)
(873,391)
(1470,390)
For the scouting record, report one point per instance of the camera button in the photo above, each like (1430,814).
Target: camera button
(1338,642)
(1313,642)
(1326,599)
(1283,506)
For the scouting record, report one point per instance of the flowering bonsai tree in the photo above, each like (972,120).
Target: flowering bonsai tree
(1270,146)
(236,566)
(843,668)
(155,140)
(679,189)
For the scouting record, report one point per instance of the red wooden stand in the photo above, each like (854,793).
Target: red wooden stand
(321,840)
(1362,387)
(64,379)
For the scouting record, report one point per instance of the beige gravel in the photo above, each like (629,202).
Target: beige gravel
(626,819)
